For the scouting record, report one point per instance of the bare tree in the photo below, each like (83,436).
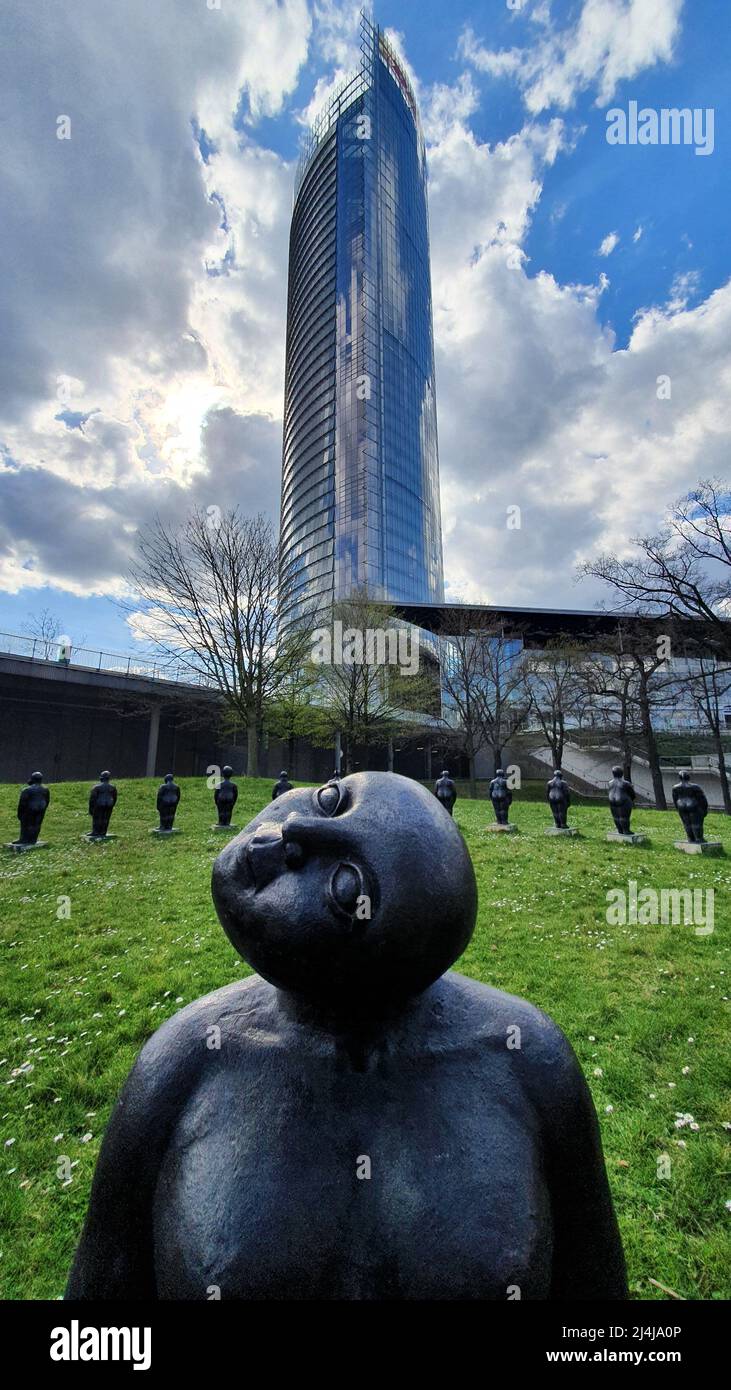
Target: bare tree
(291,714)
(635,679)
(709,685)
(361,696)
(557,693)
(483,682)
(684,571)
(206,596)
(45,629)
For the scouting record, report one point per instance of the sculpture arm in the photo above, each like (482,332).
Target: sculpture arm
(588,1261)
(115,1255)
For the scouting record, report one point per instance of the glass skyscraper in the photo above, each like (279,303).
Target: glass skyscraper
(360,469)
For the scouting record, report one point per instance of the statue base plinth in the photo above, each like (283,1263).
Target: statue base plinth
(620,838)
(158,831)
(705,846)
(558,830)
(98,839)
(16,846)
(229,828)
(502,829)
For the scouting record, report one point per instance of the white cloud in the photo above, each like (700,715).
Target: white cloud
(179,368)
(609,243)
(610,41)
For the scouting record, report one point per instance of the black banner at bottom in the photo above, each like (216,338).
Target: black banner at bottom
(160,1339)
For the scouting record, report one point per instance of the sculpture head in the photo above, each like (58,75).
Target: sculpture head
(227,771)
(618,772)
(294,888)
(684,775)
(445,772)
(168,777)
(104,776)
(558,773)
(283,775)
(499,772)
(35,779)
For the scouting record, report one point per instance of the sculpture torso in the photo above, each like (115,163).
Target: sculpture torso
(261,1197)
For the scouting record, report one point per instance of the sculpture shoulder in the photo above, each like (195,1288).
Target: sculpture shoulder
(544,1059)
(171,1059)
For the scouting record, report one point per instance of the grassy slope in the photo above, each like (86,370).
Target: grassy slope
(80,996)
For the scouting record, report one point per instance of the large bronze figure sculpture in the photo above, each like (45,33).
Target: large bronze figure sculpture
(102,800)
(225,795)
(691,804)
(621,800)
(445,791)
(351,1122)
(559,800)
(501,797)
(32,806)
(168,796)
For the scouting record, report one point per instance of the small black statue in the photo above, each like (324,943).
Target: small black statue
(559,799)
(439,1128)
(282,786)
(691,805)
(225,796)
(445,791)
(102,800)
(32,806)
(500,796)
(621,800)
(168,796)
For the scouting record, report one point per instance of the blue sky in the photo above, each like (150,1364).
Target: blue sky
(143,358)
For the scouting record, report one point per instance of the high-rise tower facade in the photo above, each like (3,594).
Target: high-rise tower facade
(360,469)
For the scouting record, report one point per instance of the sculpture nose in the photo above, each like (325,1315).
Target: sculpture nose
(265,853)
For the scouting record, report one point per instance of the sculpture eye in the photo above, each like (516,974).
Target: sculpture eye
(346,887)
(331,798)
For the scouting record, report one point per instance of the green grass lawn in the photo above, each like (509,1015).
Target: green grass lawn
(645,1007)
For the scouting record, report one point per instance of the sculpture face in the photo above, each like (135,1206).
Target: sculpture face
(294,889)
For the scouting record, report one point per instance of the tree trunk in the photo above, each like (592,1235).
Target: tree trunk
(653,756)
(390,755)
(725,793)
(252,750)
(497,756)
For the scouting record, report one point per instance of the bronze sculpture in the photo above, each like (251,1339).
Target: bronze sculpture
(445,791)
(225,795)
(102,800)
(32,806)
(501,796)
(351,1123)
(168,796)
(281,786)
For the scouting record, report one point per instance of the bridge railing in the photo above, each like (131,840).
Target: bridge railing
(92,659)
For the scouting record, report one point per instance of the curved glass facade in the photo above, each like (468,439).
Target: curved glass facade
(360,472)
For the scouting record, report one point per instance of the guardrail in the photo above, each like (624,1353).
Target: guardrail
(91,659)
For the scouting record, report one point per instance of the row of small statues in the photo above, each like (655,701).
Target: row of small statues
(35,797)
(689,800)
